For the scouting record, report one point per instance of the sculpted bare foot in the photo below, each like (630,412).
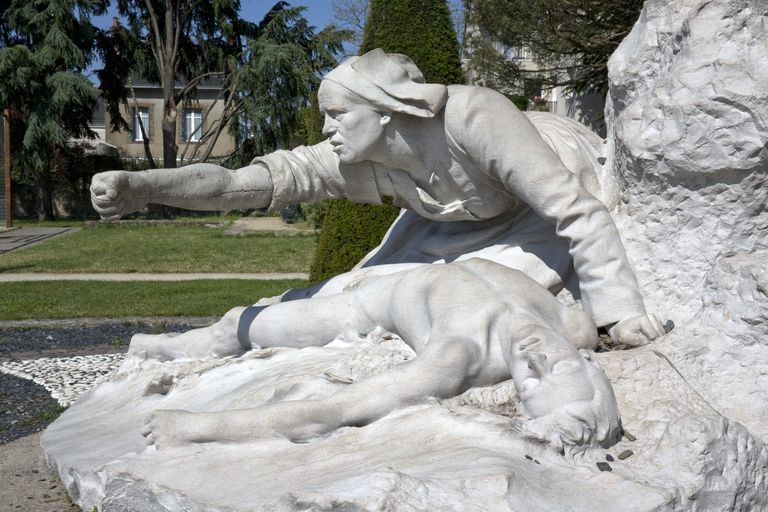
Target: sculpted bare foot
(167,428)
(148,347)
(213,342)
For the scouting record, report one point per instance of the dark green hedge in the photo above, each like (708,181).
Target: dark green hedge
(350,231)
(421,29)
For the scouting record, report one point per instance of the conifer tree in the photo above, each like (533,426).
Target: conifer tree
(43,50)
(423,30)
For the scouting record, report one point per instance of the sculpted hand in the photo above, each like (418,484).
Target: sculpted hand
(113,194)
(637,330)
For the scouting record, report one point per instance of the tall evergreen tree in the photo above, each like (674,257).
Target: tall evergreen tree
(46,44)
(278,73)
(423,30)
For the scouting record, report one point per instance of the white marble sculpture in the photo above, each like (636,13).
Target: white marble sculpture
(686,183)
(476,177)
(472,323)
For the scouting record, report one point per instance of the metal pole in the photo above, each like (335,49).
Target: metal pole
(7,152)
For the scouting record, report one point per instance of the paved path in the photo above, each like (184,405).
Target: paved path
(26,484)
(34,276)
(13,239)
(245,225)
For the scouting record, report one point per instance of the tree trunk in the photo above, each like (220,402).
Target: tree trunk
(167,51)
(44,197)
(170,114)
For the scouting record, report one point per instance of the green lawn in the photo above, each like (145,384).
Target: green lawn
(186,246)
(78,299)
(163,248)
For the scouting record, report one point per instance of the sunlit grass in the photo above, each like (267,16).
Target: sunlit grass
(163,248)
(104,299)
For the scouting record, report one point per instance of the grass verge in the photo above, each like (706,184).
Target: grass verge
(80,299)
(163,248)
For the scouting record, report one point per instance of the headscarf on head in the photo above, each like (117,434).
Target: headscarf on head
(390,81)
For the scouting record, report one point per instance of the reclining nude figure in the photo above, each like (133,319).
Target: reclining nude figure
(471,323)
(476,178)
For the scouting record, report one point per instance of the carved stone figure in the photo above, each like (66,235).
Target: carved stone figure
(472,323)
(687,135)
(475,176)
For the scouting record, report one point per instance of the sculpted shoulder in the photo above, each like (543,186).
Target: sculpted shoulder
(469,104)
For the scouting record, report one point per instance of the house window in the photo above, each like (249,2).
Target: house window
(140,119)
(192,127)
(519,52)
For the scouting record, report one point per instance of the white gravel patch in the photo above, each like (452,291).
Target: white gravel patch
(65,378)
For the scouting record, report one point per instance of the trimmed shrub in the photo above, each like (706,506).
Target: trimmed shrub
(421,29)
(350,231)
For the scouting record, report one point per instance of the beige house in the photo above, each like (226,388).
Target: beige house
(145,114)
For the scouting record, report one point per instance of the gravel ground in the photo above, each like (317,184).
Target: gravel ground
(26,407)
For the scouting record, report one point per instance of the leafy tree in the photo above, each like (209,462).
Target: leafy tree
(267,70)
(168,42)
(570,40)
(46,44)
(279,71)
(423,30)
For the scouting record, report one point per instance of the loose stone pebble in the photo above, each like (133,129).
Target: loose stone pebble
(609,457)
(604,466)
(625,454)
(629,436)
(65,378)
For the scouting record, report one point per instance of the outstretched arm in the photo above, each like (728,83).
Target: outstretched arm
(198,186)
(443,369)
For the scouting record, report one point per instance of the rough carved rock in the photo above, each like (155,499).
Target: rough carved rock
(453,454)
(687,113)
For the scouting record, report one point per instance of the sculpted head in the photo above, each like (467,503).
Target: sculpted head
(353,125)
(566,393)
(360,96)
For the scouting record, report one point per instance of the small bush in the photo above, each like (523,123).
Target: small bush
(314,213)
(350,231)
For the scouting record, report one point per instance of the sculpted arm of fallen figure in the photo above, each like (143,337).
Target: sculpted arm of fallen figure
(445,368)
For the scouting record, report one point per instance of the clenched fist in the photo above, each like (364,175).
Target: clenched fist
(115,193)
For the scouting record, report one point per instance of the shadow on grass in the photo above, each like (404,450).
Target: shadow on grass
(14,268)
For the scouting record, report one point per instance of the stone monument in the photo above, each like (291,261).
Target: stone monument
(685,184)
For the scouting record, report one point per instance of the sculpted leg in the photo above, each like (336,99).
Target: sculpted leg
(215,341)
(297,323)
